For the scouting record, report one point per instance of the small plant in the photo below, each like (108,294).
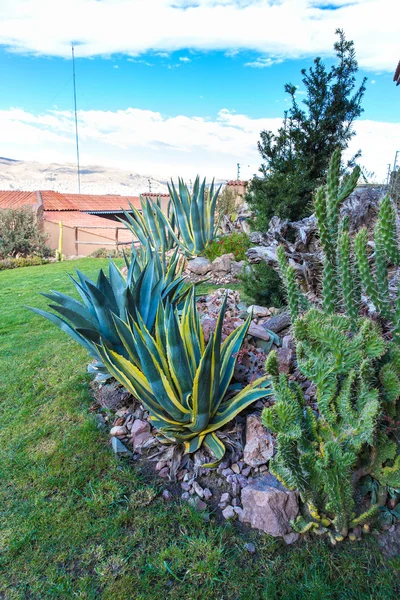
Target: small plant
(236,243)
(182,381)
(226,205)
(15,263)
(262,283)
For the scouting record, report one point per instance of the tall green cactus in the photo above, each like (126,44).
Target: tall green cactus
(356,372)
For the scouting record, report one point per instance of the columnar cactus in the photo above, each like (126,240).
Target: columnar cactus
(356,372)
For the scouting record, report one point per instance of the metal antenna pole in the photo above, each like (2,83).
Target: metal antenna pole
(238,172)
(76,120)
(149,186)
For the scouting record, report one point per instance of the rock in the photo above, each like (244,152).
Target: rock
(185,486)
(278,322)
(226,472)
(118,430)
(197,503)
(258,331)
(259,446)
(225,497)
(250,548)
(164,472)
(258,311)
(166,495)
(207,493)
(140,433)
(269,506)
(185,496)
(119,447)
(235,468)
(228,512)
(222,264)
(199,265)
(291,538)
(285,360)
(198,489)
(236,502)
(246,471)
(237,267)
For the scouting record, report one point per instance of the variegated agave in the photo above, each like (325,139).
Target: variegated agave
(194,215)
(149,227)
(183,382)
(148,281)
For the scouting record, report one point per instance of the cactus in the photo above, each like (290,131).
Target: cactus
(356,373)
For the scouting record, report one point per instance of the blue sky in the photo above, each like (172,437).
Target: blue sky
(188,91)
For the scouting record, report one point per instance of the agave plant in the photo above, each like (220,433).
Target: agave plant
(92,320)
(183,382)
(149,227)
(194,215)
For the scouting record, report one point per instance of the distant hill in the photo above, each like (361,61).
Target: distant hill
(30,176)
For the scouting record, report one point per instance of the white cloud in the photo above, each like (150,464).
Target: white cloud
(146,141)
(262,62)
(116,67)
(185,59)
(284,28)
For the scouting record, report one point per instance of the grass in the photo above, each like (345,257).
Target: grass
(77,524)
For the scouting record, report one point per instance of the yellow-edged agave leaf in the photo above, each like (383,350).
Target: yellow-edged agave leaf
(181,380)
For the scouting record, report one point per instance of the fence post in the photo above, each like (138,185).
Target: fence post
(116,238)
(76,242)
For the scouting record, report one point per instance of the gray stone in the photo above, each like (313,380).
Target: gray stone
(166,495)
(259,311)
(258,331)
(229,512)
(222,264)
(197,503)
(185,496)
(259,446)
(119,447)
(235,468)
(237,267)
(269,506)
(198,489)
(185,486)
(199,265)
(291,538)
(227,472)
(118,430)
(250,548)
(207,493)
(225,497)
(140,433)
(285,360)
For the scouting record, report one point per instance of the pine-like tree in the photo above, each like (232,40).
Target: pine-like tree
(296,159)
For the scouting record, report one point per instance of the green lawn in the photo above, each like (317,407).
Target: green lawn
(76,524)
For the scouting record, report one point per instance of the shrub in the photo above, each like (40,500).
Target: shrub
(15,263)
(262,283)
(20,234)
(104,253)
(355,370)
(235,243)
(226,204)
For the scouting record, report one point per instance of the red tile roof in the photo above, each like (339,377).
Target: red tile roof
(12,199)
(103,227)
(155,195)
(237,182)
(56,201)
(396,77)
(102,203)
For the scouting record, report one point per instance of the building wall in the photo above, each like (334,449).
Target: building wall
(239,191)
(70,247)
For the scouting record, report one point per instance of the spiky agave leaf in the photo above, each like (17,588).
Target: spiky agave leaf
(182,381)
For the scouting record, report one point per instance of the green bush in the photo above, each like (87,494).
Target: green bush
(104,253)
(15,263)
(263,284)
(236,243)
(20,234)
